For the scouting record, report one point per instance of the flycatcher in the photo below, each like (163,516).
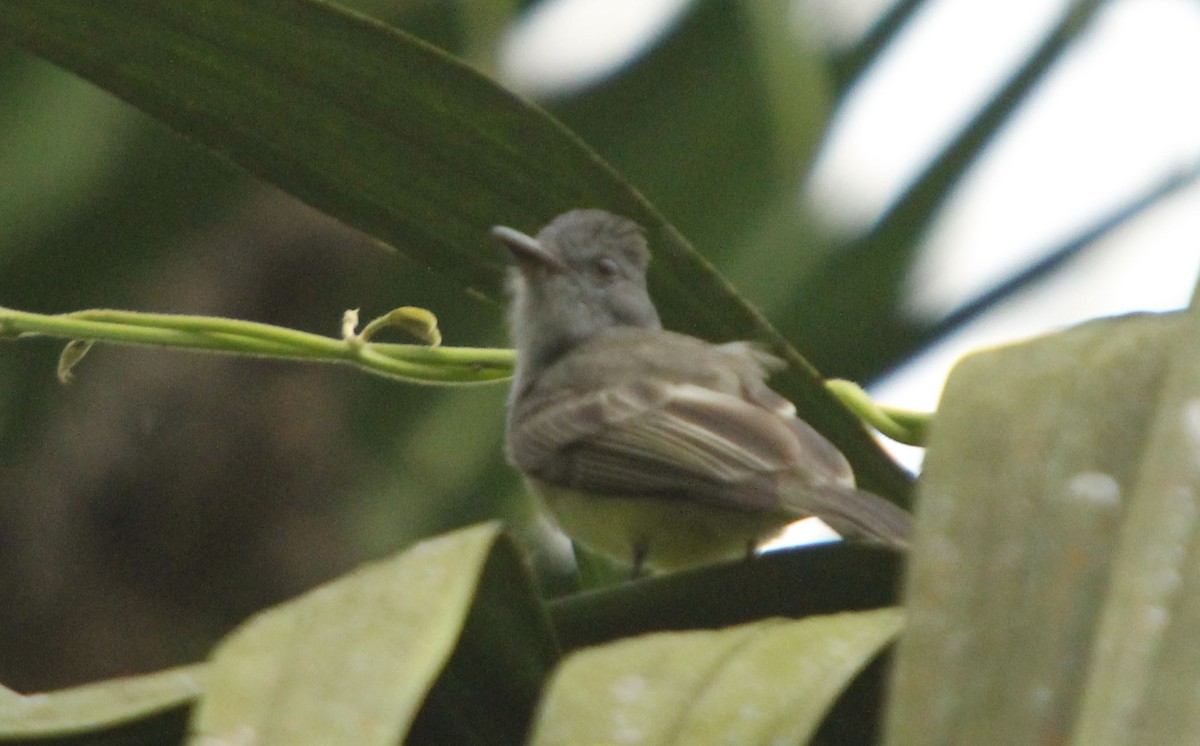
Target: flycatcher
(649,446)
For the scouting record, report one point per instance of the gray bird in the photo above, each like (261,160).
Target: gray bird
(649,446)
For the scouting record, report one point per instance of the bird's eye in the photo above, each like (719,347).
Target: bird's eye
(606,268)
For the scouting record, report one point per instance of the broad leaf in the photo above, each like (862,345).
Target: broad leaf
(795,582)
(354,661)
(1051,589)
(768,682)
(125,710)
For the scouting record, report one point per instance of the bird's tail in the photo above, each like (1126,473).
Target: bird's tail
(857,514)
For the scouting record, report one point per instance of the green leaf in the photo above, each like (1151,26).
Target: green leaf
(795,582)
(769,682)
(104,706)
(489,689)
(1145,664)
(353,661)
(1050,565)
(371,125)
(398,139)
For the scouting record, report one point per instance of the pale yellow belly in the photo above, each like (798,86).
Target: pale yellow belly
(671,533)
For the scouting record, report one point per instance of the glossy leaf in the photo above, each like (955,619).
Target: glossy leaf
(100,707)
(1048,571)
(353,661)
(796,582)
(1145,666)
(768,682)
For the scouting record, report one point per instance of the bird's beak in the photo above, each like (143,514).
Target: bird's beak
(526,250)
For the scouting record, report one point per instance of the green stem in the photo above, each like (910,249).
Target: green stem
(184,322)
(415,363)
(407,362)
(901,425)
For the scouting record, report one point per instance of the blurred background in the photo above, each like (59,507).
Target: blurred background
(893,184)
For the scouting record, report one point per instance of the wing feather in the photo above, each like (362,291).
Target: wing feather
(673,440)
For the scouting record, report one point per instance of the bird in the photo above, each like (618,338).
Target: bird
(653,447)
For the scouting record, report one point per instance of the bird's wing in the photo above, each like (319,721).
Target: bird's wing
(673,440)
